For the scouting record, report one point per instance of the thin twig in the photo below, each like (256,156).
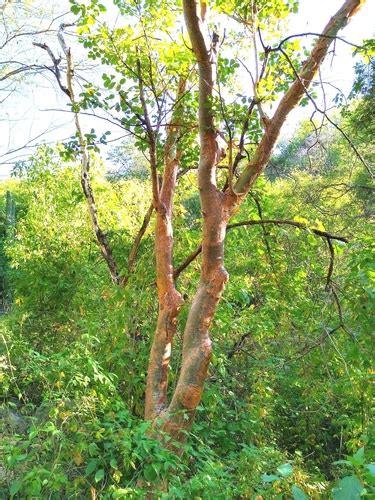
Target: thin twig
(277,222)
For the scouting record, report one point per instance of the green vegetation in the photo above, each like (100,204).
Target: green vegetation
(287,408)
(288,398)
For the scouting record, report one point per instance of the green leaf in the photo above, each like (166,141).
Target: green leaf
(343,462)
(298,494)
(93,449)
(91,466)
(269,478)
(149,473)
(99,475)
(16,486)
(348,488)
(285,470)
(359,457)
(371,468)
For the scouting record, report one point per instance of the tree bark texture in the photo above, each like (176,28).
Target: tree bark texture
(217,208)
(170,300)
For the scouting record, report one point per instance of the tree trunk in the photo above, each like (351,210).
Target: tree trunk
(196,353)
(170,300)
(217,208)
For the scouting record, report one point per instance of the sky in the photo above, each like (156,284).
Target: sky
(339,71)
(38,111)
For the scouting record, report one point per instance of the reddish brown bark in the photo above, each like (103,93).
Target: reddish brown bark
(217,208)
(170,300)
(196,353)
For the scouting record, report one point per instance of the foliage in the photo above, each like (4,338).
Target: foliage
(280,408)
(288,405)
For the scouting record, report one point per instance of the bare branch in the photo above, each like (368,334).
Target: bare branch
(277,222)
(85,156)
(151,136)
(293,96)
(55,70)
(324,113)
(320,35)
(136,243)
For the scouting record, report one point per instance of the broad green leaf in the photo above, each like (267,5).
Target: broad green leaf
(269,478)
(358,458)
(348,488)
(93,449)
(91,466)
(99,475)
(149,473)
(298,494)
(15,488)
(285,470)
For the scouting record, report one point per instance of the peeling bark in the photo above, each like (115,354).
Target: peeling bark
(196,353)
(170,300)
(217,207)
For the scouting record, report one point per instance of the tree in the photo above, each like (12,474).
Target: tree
(155,94)
(217,208)
(22,23)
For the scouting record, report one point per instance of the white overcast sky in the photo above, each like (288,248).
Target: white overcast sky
(25,115)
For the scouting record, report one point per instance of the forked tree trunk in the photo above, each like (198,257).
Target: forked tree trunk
(217,208)
(170,300)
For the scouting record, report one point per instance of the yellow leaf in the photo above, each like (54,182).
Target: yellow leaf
(117,476)
(77,457)
(262,412)
(302,220)
(319,225)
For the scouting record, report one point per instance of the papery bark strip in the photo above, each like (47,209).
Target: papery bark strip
(170,300)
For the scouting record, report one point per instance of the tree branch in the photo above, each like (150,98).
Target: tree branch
(101,237)
(56,70)
(150,135)
(324,113)
(277,222)
(291,99)
(136,244)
